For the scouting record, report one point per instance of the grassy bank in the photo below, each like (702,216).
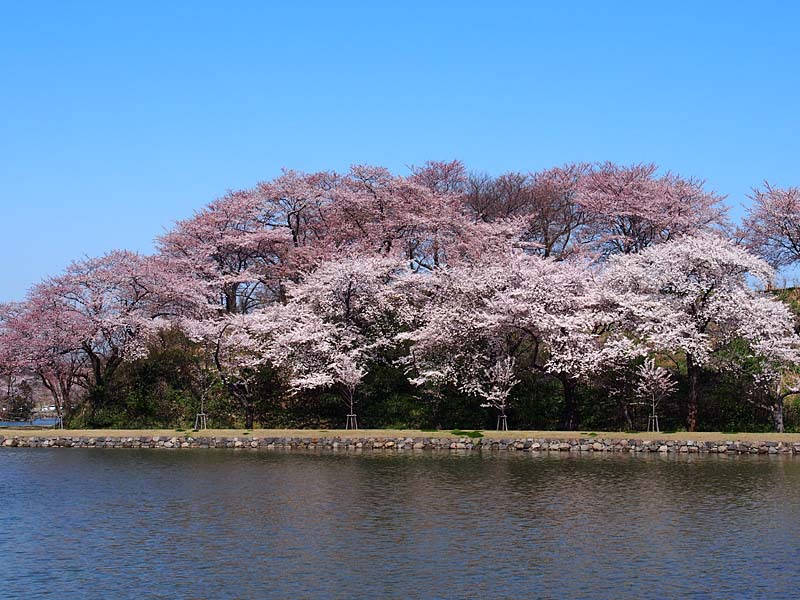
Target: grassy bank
(706,436)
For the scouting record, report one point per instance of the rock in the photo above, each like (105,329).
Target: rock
(409,443)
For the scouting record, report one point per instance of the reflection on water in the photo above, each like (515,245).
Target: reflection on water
(213,524)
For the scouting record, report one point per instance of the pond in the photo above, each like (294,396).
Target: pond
(49,422)
(77,523)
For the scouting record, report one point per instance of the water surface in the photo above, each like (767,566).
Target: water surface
(77,523)
(43,422)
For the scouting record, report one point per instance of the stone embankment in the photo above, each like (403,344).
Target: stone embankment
(410,443)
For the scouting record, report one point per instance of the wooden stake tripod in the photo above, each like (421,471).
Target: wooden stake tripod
(201,418)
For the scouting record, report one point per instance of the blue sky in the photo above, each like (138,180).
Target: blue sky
(117,119)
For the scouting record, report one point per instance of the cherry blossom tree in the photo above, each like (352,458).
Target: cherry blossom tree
(448,344)
(543,205)
(236,353)
(373,212)
(763,381)
(445,177)
(43,339)
(501,380)
(336,321)
(325,334)
(630,208)
(107,308)
(557,313)
(349,374)
(297,202)
(231,247)
(778,385)
(772,224)
(481,197)
(556,221)
(654,385)
(546,315)
(418,219)
(12,364)
(691,296)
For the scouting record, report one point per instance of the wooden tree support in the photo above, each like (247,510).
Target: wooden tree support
(652,424)
(201,421)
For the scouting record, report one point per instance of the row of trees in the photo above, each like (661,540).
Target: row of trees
(604,280)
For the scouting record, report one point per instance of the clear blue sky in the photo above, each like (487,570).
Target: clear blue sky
(116,119)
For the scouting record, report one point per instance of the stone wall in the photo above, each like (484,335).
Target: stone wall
(405,444)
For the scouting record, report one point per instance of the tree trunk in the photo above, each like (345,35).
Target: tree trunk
(435,421)
(241,394)
(777,415)
(626,415)
(66,403)
(693,374)
(569,415)
(231,299)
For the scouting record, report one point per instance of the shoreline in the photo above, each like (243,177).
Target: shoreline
(699,436)
(399,440)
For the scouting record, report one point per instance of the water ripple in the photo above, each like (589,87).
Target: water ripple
(222,524)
